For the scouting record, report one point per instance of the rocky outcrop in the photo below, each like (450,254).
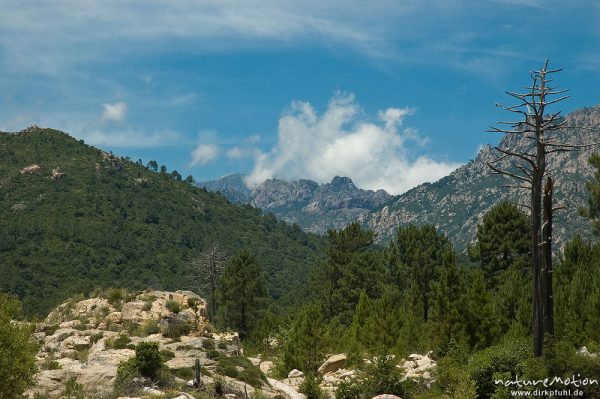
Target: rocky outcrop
(313,206)
(88,339)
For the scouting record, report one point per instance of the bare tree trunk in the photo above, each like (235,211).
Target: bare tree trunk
(536,197)
(547,295)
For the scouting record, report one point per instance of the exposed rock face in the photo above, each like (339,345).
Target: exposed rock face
(314,207)
(457,203)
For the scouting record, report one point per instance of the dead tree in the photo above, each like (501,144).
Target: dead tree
(529,168)
(206,271)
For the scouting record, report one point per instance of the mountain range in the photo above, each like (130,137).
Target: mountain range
(454,204)
(314,207)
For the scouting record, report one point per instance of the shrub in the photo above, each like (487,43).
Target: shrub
(192,302)
(147,306)
(175,328)
(115,295)
(507,358)
(208,344)
(311,388)
(150,326)
(17,350)
(172,306)
(121,342)
(96,337)
(147,362)
(166,355)
(249,373)
(382,376)
(222,345)
(50,364)
(213,354)
(148,358)
(74,390)
(348,389)
(186,373)
(50,329)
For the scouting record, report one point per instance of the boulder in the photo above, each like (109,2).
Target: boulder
(75,342)
(332,364)
(57,174)
(295,373)
(266,366)
(151,391)
(386,396)
(30,169)
(115,317)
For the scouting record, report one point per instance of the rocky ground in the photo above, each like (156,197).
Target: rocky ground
(83,342)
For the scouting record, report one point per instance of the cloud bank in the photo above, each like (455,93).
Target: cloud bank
(375,152)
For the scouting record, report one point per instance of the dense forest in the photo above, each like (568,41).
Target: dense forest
(74,218)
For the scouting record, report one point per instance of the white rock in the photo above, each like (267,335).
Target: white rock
(295,373)
(151,391)
(334,363)
(266,366)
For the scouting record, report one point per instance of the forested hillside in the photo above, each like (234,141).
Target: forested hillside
(73,218)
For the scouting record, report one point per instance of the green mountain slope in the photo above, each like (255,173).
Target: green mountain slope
(111,222)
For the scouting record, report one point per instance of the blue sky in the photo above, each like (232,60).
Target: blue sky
(390,93)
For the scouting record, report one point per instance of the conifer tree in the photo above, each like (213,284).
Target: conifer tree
(242,292)
(304,348)
(352,265)
(503,240)
(480,323)
(448,302)
(415,255)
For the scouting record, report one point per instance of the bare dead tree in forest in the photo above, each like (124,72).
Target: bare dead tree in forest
(529,169)
(206,271)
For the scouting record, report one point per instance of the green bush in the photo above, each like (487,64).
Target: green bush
(50,329)
(222,345)
(249,373)
(74,390)
(96,337)
(147,362)
(208,344)
(348,389)
(507,358)
(148,358)
(167,355)
(175,328)
(310,387)
(17,350)
(150,326)
(147,306)
(213,354)
(121,342)
(192,302)
(172,306)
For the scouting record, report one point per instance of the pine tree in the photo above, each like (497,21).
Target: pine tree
(304,348)
(480,325)
(242,292)
(352,265)
(503,240)
(415,255)
(448,302)
(593,203)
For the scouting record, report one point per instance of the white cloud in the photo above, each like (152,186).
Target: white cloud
(114,111)
(235,153)
(203,154)
(343,141)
